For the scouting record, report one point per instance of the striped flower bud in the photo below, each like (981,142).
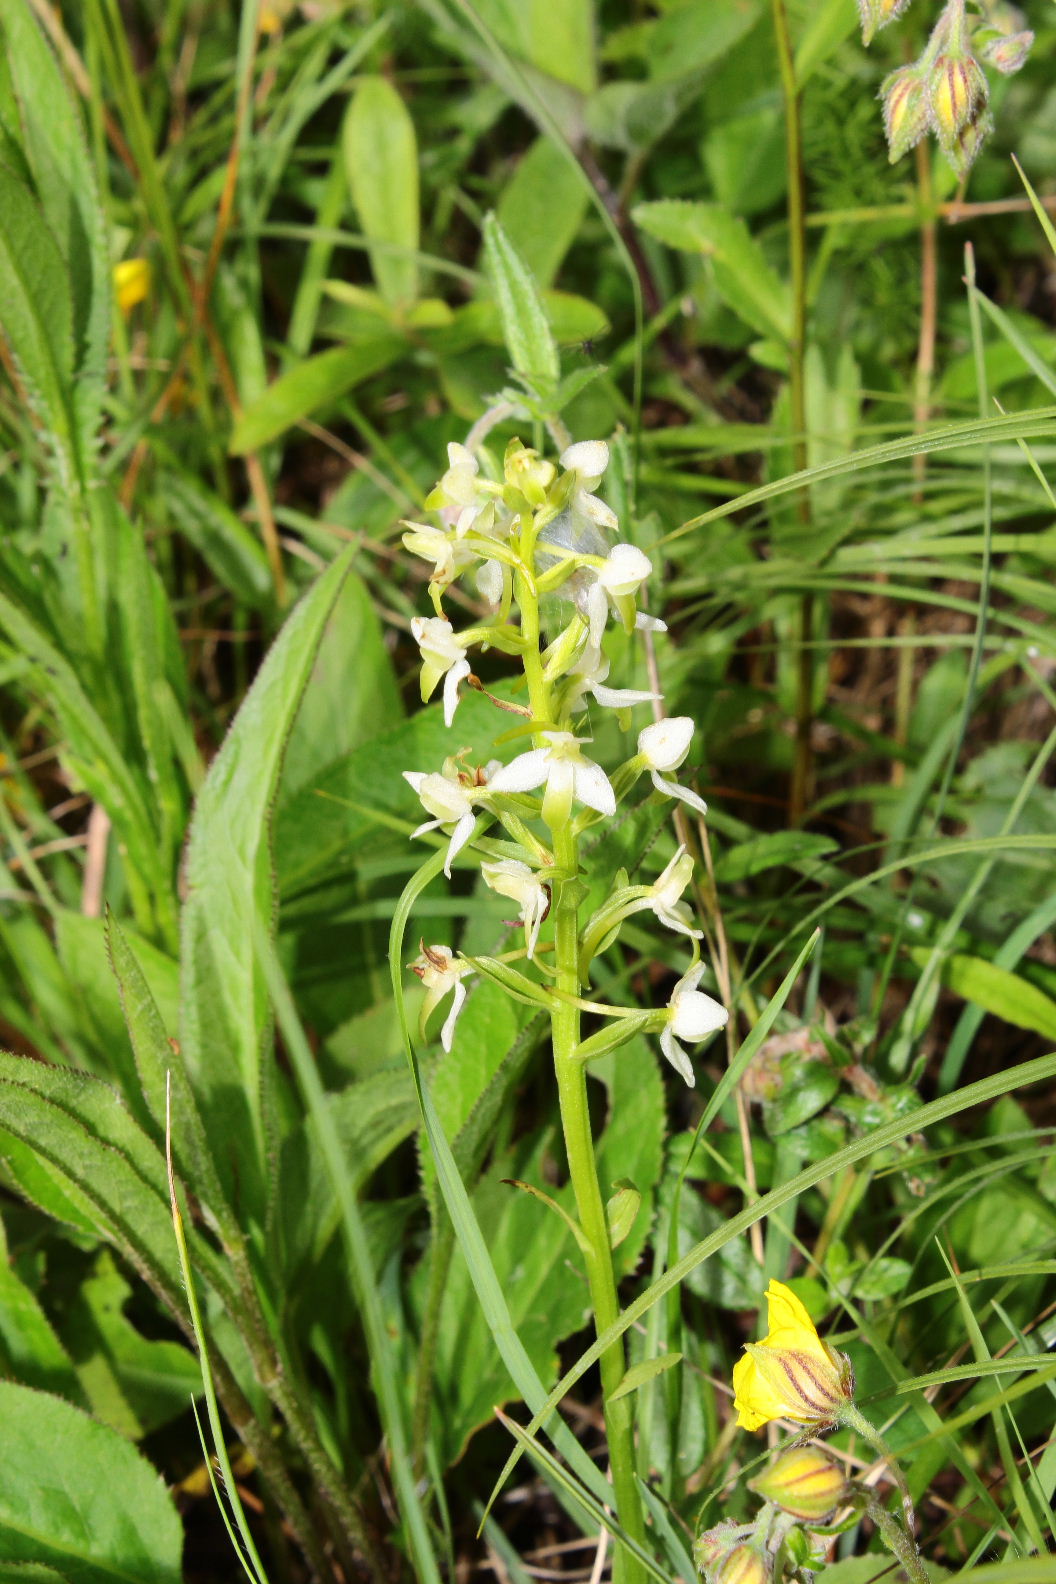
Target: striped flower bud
(1009,52)
(804,1482)
(907,113)
(957,94)
(876,14)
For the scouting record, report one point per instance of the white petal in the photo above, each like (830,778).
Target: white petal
(646,623)
(625,567)
(597,613)
(665,744)
(589,458)
(459,670)
(429,825)
(621,698)
(415,777)
(673,790)
(447,1033)
(593,788)
(489,582)
(677,1057)
(695,1015)
(459,837)
(597,511)
(671,919)
(523,774)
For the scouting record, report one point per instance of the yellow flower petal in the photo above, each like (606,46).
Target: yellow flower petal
(131,283)
(792,1373)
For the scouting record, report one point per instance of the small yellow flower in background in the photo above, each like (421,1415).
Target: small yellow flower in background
(131,283)
(792,1373)
(270,20)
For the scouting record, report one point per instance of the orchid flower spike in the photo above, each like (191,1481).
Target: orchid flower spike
(692,1016)
(513,879)
(450,798)
(441,972)
(663,746)
(566,773)
(442,656)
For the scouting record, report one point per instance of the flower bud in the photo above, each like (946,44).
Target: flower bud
(876,14)
(1009,52)
(712,1545)
(906,110)
(745,1564)
(957,93)
(804,1482)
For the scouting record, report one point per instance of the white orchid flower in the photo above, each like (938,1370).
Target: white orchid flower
(667,890)
(663,746)
(449,554)
(450,799)
(513,879)
(460,484)
(588,676)
(567,774)
(619,578)
(441,972)
(692,1016)
(588,459)
(442,656)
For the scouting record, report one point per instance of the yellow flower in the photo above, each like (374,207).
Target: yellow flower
(270,20)
(131,283)
(792,1373)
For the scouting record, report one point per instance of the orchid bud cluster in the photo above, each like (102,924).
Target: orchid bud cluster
(946,91)
(538,542)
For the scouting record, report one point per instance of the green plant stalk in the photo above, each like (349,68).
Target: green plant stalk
(582,1166)
(575,1113)
(797,389)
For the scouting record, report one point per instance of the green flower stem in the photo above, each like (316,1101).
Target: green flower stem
(579,1145)
(855,1420)
(575,1112)
(898,1542)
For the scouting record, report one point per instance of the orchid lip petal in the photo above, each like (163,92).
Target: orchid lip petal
(621,698)
(677,1057)
(459,837)
(430,825)
(447,1033)
(673,789)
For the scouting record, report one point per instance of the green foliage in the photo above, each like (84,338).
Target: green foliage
(368,238)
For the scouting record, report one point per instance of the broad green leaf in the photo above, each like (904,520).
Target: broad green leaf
(75,1495)
(542,207)
(316,382)
(160,1069)
(29,1347)
(134,1384)
(64,177)
(525,329)
(771,852)
(370,1119)
(556,39)
(381,166)
(742,274)
(995,989)
(352,695)
(101,1159)
(36,317)
(692,38)
(830,22)
(361,802)
(230,893)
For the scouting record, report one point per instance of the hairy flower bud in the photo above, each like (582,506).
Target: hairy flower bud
(1009,52)
(907,113)
(745,1564)
(957,94)
(804,1482)
(876,14)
